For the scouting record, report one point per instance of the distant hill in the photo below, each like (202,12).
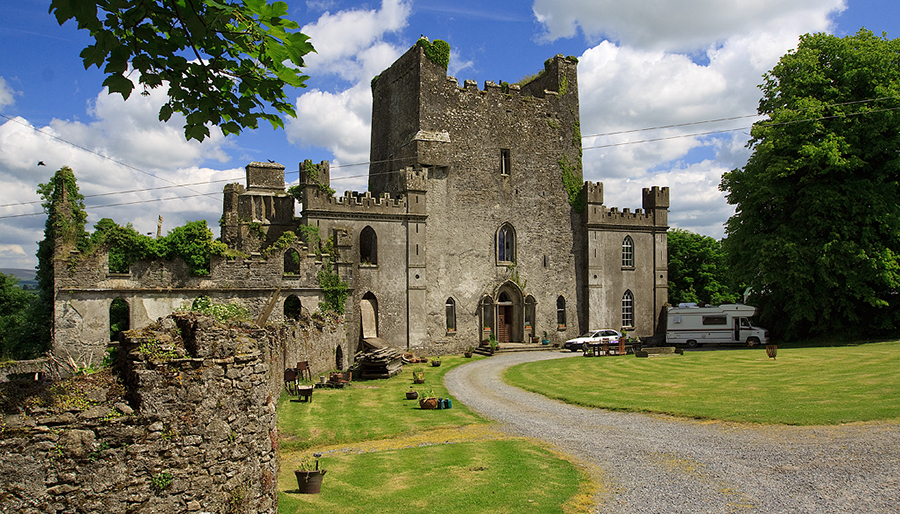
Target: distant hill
(27,277)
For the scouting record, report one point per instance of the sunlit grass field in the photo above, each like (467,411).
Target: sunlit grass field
(802,386)
(384,454)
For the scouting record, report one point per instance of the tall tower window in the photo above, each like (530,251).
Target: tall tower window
(368,247)
(628,310)
(628,252)
(451,315)
(506,244)
(505,162)
(560,313)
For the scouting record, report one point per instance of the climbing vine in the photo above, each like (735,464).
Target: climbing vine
(574,187)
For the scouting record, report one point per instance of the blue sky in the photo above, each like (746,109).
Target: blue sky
(677,64)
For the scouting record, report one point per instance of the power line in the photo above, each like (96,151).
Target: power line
(346,177)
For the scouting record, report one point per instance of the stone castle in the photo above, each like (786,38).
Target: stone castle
(477,225)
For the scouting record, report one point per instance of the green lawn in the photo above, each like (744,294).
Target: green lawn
(803,386)
(384,454)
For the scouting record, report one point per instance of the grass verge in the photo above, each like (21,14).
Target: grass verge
(802,386)
(385,454)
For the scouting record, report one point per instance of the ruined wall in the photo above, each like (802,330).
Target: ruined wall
(193,430)
(153,289)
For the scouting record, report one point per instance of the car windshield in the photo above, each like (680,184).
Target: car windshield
(587,334)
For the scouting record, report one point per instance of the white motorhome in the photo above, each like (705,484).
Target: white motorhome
(695,326)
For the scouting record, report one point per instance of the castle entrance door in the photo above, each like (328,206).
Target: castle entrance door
(504,322)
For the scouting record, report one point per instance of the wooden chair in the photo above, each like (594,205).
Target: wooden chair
(304,371)
(291,376)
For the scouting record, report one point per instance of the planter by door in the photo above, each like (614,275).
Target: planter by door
(310,482)
(428,403)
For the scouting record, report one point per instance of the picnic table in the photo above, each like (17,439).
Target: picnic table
(607,348)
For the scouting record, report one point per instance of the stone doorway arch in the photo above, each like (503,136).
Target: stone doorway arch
(510,308)
(368,316)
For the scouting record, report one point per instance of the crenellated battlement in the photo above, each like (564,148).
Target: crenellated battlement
(653,213)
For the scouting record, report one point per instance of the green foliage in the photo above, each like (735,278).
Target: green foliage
(118,318)
(14,306)
(282,243)
(311,237)
(223,313)
(155,350)
(437,52)
(224,61)
(334,289)
(574,186)
(194,244)
(816,230)
(161,481)
(698,272)
(125,245)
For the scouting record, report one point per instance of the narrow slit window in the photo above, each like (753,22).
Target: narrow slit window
(505,162)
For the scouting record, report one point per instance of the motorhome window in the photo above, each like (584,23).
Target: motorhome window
(715,320)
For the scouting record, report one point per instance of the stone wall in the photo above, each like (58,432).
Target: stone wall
(192,430)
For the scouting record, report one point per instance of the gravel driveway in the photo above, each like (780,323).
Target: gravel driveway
(664,464)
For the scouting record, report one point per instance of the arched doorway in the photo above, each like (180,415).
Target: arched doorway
(510,314)
(119,318)
(292,307)
(368,315)
(339,358)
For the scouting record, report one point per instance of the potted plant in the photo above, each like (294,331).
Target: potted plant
(494,344)
(418,375)
(469,351)
(428,400)
(545,340)
(411,395)
(309,476)
(436,361)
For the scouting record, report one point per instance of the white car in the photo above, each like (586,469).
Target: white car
(603,335)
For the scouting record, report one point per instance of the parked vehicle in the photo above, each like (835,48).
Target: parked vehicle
(695,326)
(603,335)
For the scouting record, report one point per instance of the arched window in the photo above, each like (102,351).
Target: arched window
(451,315)
(529,317)
(506,244)
(487,315)
(560,313)
(119,315)
(628,252)
(292,307)
(291,262)
(628,310)
(368,247)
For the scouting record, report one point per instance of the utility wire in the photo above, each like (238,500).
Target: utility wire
(346,177)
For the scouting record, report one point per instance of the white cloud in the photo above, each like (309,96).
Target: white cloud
(7,94)
(122,148)
(641,82)
(339,122)
(678,25)
(350,43)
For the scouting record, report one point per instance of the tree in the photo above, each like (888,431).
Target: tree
(223,60)
(698,272)
(14,303)
(816,229)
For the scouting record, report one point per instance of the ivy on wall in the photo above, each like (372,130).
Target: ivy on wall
(437,52)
